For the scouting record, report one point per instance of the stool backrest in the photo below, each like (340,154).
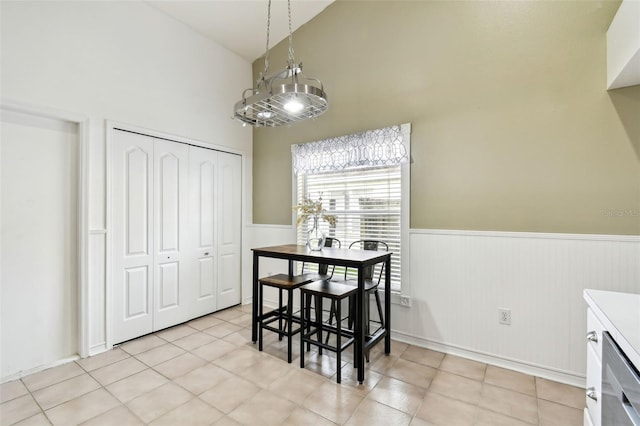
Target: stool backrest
(323,269)
(374,245)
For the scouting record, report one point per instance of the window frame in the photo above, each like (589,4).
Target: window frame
(401,297)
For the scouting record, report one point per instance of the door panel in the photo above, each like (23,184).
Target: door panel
(206,279)
(203,213)
(136,186)
(206,211)
(229,226)
(168,285)
(169,202)
(171,188)
(137,288)
(132,165)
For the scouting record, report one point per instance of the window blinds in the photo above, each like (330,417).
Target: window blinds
(366,203)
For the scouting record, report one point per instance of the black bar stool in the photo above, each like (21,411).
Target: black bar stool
(284,313)
(314,328)
(372,279)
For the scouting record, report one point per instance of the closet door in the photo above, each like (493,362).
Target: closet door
(132,231)
(203,165)
(229,229)
(171,209)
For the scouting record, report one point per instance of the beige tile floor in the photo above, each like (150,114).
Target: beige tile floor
(206,372)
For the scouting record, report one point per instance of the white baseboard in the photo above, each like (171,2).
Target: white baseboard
(39,368)
(510,364)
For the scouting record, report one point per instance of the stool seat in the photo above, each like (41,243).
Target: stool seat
(368,284)
(330,289)
(285,281)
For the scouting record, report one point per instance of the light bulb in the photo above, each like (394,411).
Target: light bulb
(265,115)
(293,105)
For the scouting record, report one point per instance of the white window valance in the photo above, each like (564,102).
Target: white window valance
(372,148)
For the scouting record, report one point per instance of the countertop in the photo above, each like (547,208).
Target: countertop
(620,313)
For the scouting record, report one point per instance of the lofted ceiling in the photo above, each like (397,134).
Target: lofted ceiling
(241,25)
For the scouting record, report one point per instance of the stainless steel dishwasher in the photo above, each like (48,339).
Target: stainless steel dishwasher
(620,387)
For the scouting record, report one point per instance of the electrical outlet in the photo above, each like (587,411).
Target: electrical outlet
(504,316)
(405,301)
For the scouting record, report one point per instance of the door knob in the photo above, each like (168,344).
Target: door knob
(591,393)
(592,336)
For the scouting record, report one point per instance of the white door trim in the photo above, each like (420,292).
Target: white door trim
(83,124)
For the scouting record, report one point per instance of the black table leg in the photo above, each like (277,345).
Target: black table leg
(387,305)
(360,326)
(255,298)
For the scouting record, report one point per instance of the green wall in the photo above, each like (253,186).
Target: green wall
(512,126)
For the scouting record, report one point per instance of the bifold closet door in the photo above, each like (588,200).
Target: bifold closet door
(132,235)
(150,207)
(203,171)
(229,229)
(176,233)
(171,229)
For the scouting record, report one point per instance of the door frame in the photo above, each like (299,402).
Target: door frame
(111,126)
(84,124)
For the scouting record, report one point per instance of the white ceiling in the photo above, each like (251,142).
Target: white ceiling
(241,25)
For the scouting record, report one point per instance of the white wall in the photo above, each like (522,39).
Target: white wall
(127,62)
(458,280)
(38,253)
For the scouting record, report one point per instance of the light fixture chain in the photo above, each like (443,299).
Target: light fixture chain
(292,61)
(276,102)
(266,54)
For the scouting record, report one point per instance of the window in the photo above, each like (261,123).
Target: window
(367,200)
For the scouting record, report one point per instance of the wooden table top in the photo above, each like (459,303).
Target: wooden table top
(328,255)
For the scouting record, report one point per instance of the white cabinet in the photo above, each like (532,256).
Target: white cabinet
(595,328)
(175,233)
(617,314)
(623,46)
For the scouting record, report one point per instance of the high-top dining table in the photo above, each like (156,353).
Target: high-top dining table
(357,259)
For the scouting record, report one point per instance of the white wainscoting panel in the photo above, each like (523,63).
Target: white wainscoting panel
(459,280)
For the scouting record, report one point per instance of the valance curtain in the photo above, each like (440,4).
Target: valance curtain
(373,148)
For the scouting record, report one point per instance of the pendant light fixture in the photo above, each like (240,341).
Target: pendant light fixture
(283,97)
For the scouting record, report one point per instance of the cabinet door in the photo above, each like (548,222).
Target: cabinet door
(203,232)
(229,226)
(594,384)
(132,235)
(171,275)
